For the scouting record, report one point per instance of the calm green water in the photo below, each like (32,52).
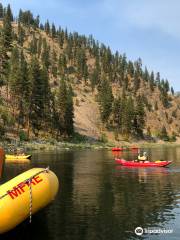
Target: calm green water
(99,200)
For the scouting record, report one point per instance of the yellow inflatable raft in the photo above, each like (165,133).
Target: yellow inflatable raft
(17,157)
(17,161)
(24,195)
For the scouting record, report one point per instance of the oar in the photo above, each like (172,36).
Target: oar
(2,157)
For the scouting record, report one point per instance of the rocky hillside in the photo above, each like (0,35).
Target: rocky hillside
(112,96)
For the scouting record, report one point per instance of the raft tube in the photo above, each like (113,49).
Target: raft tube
(117,149)
(125,148)
(17,157)
(38,184)
(17,161)
(142,164)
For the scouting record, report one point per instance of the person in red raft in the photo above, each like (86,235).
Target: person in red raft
(143,157)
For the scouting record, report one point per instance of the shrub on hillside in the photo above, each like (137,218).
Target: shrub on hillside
(173,137)
(23,136)
(103,138)
(163,135)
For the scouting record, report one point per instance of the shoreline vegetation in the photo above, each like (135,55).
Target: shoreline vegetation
(53,145)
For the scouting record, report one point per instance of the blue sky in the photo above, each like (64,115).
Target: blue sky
(139,28)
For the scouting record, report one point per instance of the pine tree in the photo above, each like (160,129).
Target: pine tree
(47,97)
(39,46)
(94,78)
(69,115)
(26,18)
(172,91)
(139,119)
(21,34)
(158,79)
(62,64)
(61,38)
(7,31)
(105,100)
(128,113)
(125,83)
(45,57)
(123,67)
(37,96)
(33,45)
(165,99)
(61,106)
(69,51)
(14,73)
(82,67)
(37,22)
(138,67)
(106,60)
(26,83)
(117,114)
(1,11)
(9,14)
(64,109)
(136,82)
(146,75)
(47,27)
(53,31)
(164,89)
(130,69)
(20,16)
(24,92)
(3,62)
(166,86)
(54,64)
(41,26)
(19,85)
(66,34)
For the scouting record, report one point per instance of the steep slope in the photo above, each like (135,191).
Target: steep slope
(87,117)
(86,65)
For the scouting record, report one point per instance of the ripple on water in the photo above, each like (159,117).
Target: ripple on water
(100,200)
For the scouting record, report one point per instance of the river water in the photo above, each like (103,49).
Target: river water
(100,200)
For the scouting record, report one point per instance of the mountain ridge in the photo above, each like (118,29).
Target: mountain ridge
(102,83)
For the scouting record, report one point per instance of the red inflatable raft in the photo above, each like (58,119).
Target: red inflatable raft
(134,148)
(142,163)
(124,148)
(117,149)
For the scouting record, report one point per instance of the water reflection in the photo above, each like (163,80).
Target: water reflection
(101,200)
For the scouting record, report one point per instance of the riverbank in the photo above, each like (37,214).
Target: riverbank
(55,145)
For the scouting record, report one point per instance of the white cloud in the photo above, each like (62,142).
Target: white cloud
(162,15)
